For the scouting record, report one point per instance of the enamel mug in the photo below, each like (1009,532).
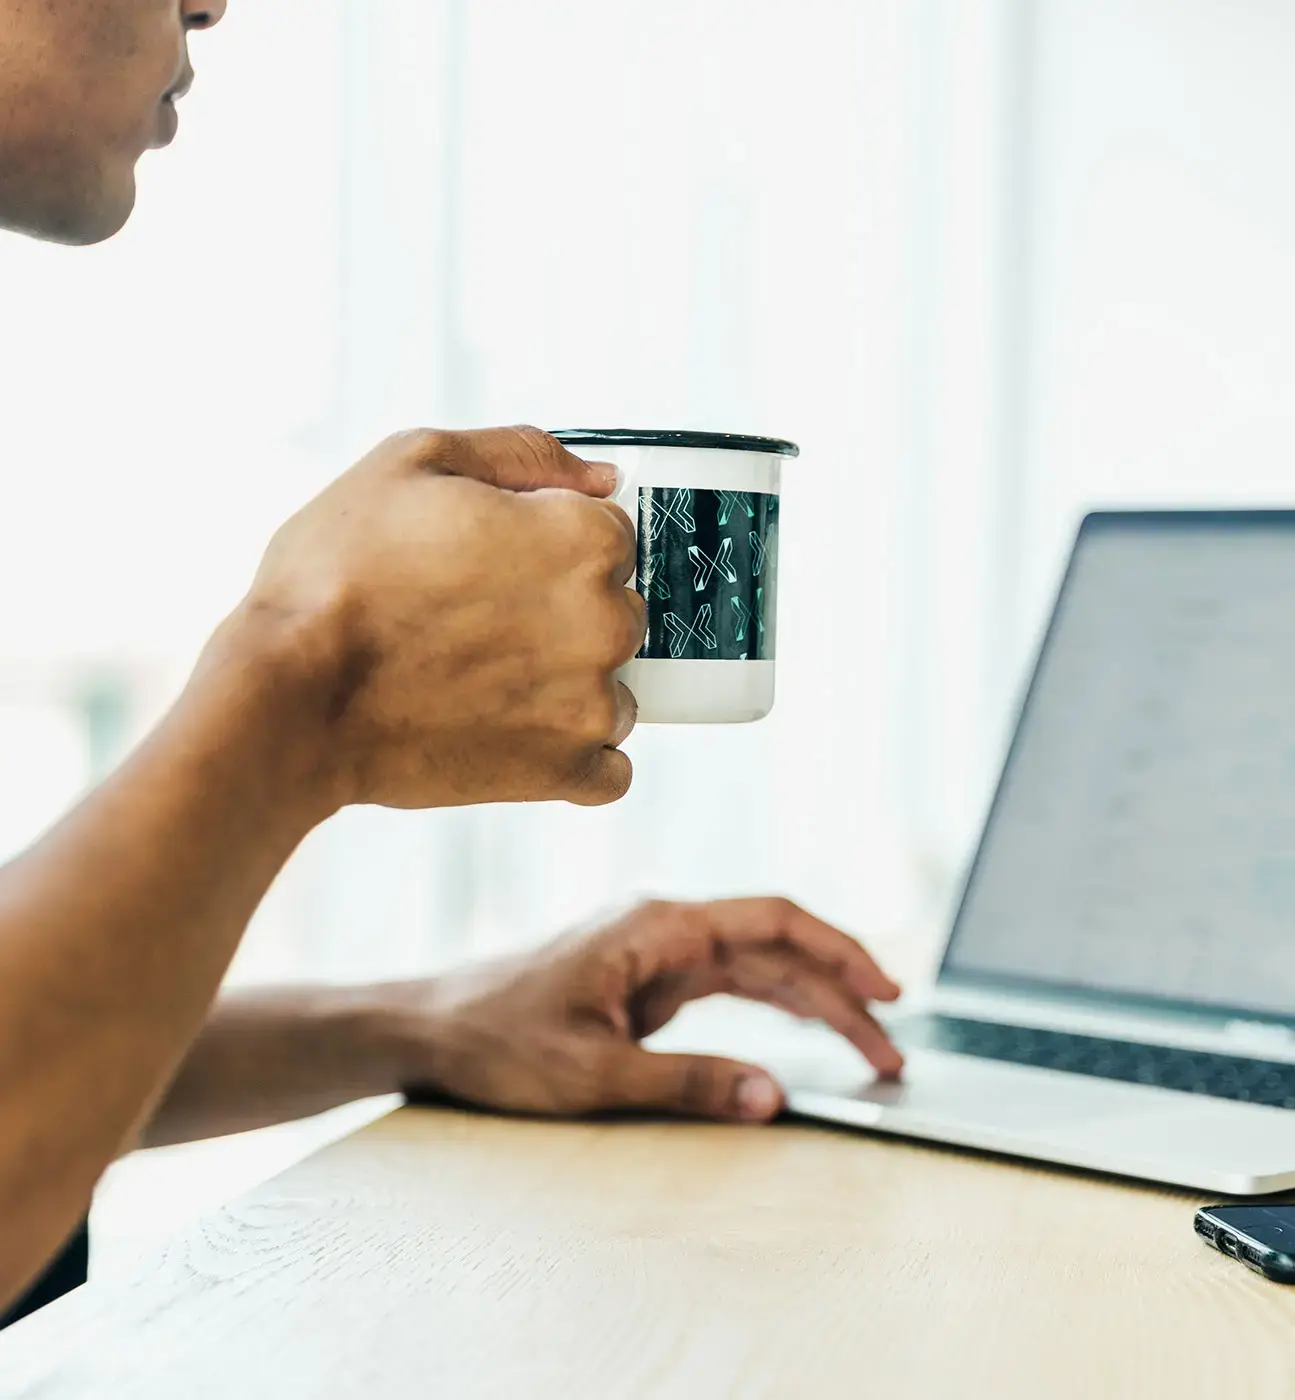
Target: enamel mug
(705,506)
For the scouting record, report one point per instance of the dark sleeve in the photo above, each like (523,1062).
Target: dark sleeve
(67,1272)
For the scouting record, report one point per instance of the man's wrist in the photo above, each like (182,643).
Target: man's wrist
(389,1033)
(277,1054)
(273,678)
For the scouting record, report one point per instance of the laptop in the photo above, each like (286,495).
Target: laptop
(1118,989)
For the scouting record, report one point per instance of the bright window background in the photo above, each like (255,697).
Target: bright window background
(989,265)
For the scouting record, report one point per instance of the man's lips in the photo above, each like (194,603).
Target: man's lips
(168,119)
(183,80)
(168,123)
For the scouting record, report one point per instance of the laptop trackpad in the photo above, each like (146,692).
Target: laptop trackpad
(958,1098)
(940,1088)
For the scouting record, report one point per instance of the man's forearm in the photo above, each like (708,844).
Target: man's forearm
(116,929)
(277,1054)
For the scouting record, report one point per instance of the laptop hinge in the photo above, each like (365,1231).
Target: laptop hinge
(1260,1035)
(1235,1036)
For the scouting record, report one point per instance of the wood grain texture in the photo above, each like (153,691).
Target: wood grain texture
(445,1254)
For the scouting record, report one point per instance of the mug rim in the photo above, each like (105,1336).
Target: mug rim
(674,437)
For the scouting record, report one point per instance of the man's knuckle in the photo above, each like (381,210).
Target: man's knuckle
(697,920)
(602,1067)
(595,720)
(607,536)
(538,447)
(699,1086)
(612,629)
(422,446)
(627,712)
(621,775)
(633,628)
(687,920)
(568,516)
(600,775)
(615,528)
(768,916)
(535,437)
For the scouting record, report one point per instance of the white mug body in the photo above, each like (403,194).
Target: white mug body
(706,509)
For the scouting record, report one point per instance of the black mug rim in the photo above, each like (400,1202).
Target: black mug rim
(674,437)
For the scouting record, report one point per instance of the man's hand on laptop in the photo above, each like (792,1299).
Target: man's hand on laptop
(557,1031)
(449,616)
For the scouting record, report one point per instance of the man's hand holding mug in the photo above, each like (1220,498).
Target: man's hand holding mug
(451,613)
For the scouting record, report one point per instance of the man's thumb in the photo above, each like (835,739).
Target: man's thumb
(701,1086)
(524,459)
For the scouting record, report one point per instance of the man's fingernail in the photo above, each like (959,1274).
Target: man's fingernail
(606,473)
(757,1098)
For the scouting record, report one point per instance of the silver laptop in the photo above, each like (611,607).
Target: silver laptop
(1118,989)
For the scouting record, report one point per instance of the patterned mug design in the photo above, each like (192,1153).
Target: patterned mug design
(707,567)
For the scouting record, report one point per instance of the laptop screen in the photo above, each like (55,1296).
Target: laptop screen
(1142,843)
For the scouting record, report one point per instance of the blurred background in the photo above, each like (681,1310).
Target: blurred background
(991,265)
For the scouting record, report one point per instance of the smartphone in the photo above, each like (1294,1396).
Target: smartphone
(1260,1237)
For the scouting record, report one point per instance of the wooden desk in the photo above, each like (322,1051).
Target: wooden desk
(441,1254)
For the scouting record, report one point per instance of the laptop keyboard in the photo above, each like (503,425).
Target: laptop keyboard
(1165,1067)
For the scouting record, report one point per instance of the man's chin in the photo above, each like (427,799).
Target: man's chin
(76,219)
(99,222)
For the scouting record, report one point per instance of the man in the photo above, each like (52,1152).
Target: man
(441,626)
